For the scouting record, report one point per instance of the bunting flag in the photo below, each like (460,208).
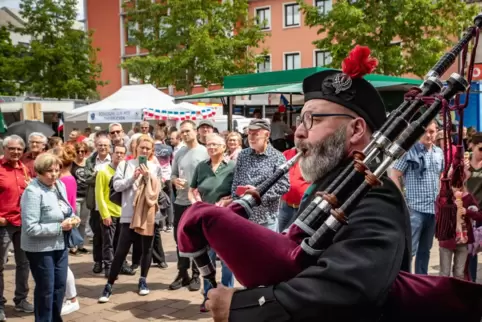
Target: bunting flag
(155,114)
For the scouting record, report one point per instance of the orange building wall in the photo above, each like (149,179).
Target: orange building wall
(103,19)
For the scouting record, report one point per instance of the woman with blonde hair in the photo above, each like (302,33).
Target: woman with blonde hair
(234,145)
(139,180)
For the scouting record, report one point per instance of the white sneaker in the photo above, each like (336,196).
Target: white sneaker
(70,307)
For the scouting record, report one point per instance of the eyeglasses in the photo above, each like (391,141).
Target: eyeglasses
(307,118)
(115,132)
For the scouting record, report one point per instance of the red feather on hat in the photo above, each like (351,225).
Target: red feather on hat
(359,63)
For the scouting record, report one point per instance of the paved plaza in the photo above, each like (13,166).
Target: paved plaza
(125,305)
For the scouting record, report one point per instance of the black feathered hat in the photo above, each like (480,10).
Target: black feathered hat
(348,87)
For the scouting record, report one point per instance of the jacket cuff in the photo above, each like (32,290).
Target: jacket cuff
(258,304)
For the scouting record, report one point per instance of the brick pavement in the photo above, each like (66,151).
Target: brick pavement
(125,305)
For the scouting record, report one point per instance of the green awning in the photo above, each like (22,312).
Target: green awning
(295,88)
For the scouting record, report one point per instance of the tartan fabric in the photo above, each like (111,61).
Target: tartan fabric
(421,190)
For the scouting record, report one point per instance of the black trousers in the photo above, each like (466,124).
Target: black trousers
(126,238)
(183,263)
(110,239)
(95,223)
(158,255)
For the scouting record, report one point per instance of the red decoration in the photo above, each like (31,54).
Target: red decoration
(359,62)
(281,108)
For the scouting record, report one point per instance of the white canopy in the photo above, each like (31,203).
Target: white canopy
(131,97)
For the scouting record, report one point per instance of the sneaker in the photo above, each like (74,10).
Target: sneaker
(70,307)
(126,270)
(143,289)
(83,251)
(194,284)
(162,265)
(134,267)
(3,317)
(97,269)
(106,293)
(182,279)
(169,229)
(24,306)
(202,307)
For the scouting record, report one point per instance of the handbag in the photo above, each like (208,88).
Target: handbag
(116,196)
(73,238)
(163,200)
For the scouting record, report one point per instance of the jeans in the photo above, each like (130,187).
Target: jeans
(423,231)
(49,271)
(227,277)
(183,263)
(22,270)
(286,216)
(271,225)
(458,257)
(83,213)
(95,223)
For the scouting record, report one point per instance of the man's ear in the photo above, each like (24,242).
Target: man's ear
(358,131)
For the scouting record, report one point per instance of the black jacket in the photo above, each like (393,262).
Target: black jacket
(352,277)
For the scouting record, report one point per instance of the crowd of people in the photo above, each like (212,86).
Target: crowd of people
(121,190)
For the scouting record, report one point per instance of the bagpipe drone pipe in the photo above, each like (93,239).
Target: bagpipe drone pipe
(247,248)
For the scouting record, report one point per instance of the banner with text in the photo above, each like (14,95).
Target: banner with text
(115,116)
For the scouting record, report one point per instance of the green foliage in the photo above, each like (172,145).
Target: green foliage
(192,41)
(60,61)
(8,64)
(426,28)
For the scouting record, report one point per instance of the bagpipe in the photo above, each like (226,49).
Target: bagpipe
(412,297)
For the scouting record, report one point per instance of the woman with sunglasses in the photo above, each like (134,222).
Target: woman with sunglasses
(78,171)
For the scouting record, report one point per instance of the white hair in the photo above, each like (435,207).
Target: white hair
(13,138)
(215,137)
(133,138)
(114,124)
(40,135)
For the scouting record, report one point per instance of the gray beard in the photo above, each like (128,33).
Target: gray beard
(325,155)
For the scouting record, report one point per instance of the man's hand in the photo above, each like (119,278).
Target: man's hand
(3,222)
(219,302)
(107,222)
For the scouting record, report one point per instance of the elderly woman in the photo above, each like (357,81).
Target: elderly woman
(234,146)
(212,180)
(47,218)
(139,180)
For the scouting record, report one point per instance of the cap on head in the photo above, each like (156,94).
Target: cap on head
(206,123)
(348,88)
(259,124)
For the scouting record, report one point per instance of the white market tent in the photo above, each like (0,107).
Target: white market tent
(130,97)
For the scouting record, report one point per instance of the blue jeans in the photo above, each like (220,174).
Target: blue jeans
(227,277)
(423,232)
(49,271)
(285,216)
(473,267)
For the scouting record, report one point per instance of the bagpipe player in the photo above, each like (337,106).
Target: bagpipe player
(353,276)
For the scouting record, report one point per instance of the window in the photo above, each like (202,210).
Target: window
(265,66)
(291,15)
(292,61)
(263,18)
(131,29)
(324,6)
(322,58)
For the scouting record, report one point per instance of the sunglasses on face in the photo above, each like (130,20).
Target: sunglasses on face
(115,132)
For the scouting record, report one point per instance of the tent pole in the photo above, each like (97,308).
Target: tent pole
(291,110)
(230,114)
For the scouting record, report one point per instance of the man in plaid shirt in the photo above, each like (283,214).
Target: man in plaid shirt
(421,168)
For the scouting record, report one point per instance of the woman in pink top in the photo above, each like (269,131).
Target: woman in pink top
(234,143)
(67,156)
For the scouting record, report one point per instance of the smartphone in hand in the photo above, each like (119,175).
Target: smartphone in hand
(241,190)
(142,160)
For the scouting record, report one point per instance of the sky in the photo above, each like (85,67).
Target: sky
(15,4)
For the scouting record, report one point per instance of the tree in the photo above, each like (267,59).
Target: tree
(407,36)
(8,63)
(192,41)
(60,61)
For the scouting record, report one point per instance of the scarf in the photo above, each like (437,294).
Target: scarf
(145,205)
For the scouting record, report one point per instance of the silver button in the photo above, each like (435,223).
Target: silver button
(261,301)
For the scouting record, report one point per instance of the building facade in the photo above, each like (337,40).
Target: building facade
(289,42)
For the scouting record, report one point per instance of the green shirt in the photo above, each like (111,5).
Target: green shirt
(213,186)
